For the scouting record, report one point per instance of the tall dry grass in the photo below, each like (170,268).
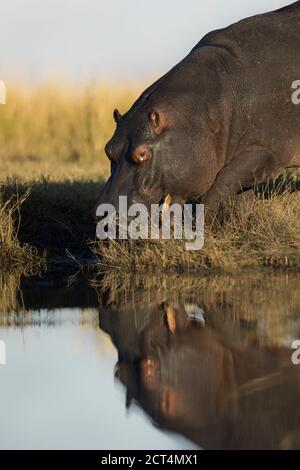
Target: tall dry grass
(9,290)
(52,139)
(262,233)
(13,255)
(58,131)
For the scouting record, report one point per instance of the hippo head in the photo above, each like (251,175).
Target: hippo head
(156,152)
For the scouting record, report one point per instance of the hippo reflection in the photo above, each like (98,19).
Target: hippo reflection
(214,381)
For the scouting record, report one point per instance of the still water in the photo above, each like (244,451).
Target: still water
(151,363)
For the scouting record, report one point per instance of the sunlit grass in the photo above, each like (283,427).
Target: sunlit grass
(52,141)
(52,163)
(59,132)
(262,233)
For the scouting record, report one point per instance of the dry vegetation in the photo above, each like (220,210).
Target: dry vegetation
(264,233)
(59,132)
(52,141)
(13,255)
(51,155)
(264,308)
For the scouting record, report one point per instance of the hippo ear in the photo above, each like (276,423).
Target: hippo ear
(157,122)
(117,116)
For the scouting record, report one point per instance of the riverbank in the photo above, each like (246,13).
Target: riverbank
(262,233)
(52,169)
(49,222)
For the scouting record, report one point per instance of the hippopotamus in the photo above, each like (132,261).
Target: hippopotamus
(218,123)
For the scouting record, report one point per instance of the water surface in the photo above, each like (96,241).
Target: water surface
(151,363)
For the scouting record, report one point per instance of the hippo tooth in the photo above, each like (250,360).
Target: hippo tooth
(166,204)
(170,314)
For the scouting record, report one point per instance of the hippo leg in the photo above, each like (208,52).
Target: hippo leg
(244,171)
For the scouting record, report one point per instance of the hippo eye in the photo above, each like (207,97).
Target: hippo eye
(141,154)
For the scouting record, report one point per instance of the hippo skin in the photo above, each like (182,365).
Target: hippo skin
(219,122)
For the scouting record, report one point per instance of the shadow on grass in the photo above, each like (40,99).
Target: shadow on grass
(56,216)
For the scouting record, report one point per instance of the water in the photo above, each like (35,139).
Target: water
(151,363)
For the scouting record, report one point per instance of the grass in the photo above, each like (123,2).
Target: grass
(52,168)
(264,307)
(262,233)
(58,132)
(13,254)
(52,165)
(56,215)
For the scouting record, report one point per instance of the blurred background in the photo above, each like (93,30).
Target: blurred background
(68,63)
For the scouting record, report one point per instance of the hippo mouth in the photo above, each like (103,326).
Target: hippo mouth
(163,202)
